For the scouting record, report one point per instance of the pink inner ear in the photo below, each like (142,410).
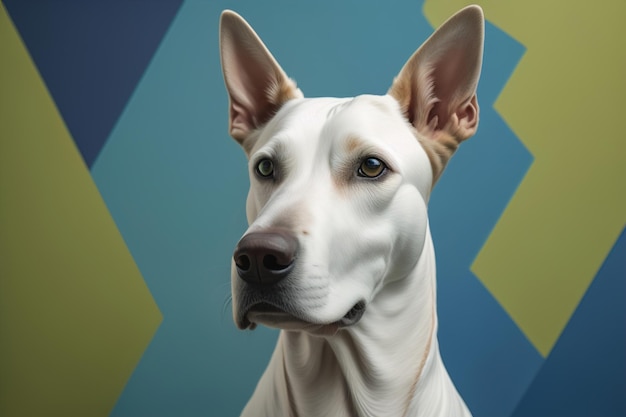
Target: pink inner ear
(257,90)
(256,84)
(436,88)
(452,86)
(468,113)
(240,119)
(248,77)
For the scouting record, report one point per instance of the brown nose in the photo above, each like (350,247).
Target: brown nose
(265,257)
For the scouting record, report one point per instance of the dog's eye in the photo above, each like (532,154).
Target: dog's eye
(265,168)
(371,167)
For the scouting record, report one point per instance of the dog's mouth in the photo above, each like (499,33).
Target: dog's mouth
(273,316)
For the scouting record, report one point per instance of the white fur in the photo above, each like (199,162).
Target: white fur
(360,239)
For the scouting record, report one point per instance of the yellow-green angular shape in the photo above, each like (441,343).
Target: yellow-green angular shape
(75,312)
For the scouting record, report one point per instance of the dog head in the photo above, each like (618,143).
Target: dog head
(339,187)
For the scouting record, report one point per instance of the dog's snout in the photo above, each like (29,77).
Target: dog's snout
(265,257)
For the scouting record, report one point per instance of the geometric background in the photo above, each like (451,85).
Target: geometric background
(122,196)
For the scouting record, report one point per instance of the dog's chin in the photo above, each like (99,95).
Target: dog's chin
(274,317)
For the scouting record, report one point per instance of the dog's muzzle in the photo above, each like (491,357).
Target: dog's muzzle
(262,260)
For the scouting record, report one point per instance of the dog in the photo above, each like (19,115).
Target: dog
(338,253)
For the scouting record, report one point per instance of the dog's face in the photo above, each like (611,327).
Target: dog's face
(330,173)
(338,195)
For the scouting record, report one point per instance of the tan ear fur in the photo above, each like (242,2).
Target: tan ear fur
(436,88)
(257,86)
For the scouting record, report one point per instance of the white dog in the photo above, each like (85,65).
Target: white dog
(338,253)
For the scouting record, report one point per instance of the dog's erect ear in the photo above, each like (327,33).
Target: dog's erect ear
(257,86)
(436,88)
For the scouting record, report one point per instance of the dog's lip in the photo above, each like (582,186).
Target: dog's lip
(273,316)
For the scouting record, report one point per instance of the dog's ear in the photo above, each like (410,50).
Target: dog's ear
(436,88)
(257,86)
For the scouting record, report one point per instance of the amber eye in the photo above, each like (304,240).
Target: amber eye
(371,167)
(265,168)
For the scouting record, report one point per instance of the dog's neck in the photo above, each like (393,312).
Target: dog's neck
(387,364)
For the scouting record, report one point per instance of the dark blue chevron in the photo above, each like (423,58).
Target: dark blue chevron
(91,54)
(585,374)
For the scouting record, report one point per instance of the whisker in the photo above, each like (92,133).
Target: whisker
(227,303)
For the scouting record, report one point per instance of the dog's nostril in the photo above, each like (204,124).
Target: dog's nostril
(243,262)
(271,262)
(354,315)
(356,310)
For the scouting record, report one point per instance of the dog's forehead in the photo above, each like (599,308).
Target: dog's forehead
(369,117)
(320,121)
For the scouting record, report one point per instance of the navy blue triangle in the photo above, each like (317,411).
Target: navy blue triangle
(585,374)
(91,55)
